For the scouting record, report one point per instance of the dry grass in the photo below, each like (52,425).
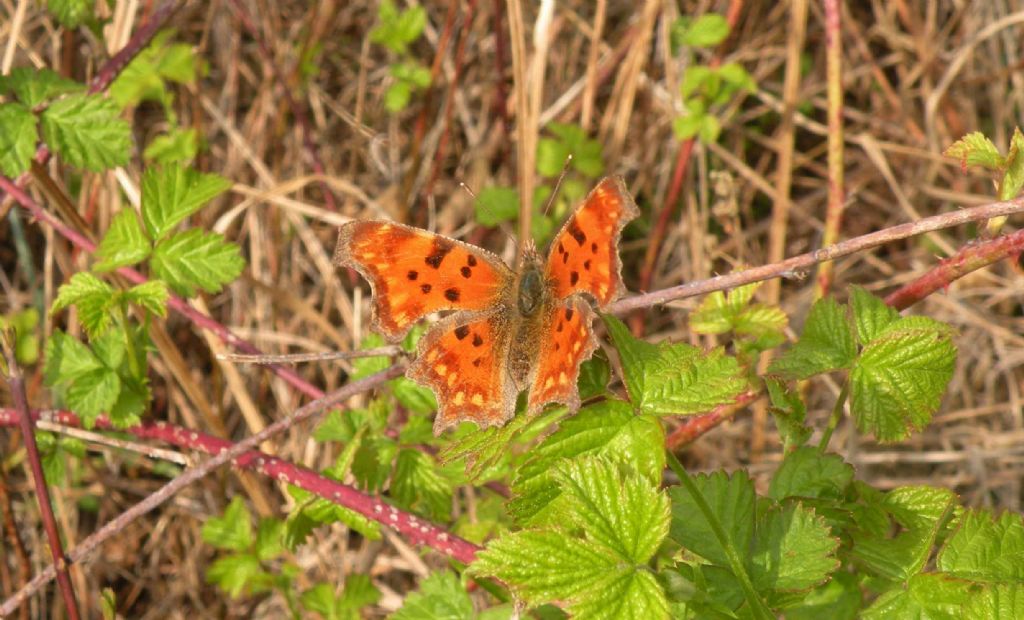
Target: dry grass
(917,75)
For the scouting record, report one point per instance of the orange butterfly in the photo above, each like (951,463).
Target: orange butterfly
(527,329)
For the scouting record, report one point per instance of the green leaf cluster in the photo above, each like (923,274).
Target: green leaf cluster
(397,30)
(756,327)
(24,324)
(975,149)
(898,367)
(569,139)
(83,129)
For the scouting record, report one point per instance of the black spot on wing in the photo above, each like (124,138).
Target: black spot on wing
(593,247)
(577,233)
(568,314)
(466,272)
(425,288)
(452,294)
(441,249)
(586,264)
(412,275)
(461,332)
(477,340)
(471,260)
(574,277)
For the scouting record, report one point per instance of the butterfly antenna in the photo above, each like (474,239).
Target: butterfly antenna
(558,184)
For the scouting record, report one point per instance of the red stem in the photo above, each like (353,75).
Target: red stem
(28,436)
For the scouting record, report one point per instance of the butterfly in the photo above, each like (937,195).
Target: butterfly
(512,330)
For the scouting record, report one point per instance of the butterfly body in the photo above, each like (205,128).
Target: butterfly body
(527,329)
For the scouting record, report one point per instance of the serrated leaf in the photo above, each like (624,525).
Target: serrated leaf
(624,513)
(608,429)
(131,403)
(418,485)
(928,597)
(234,573)
(233,531)
(34,87)
(93,393)
(496,204)
(413,396)
(792,550)
(551,156)
(70,13)
(871,315)
(974,149)
(731,499)
(542,566)
(268,539)
(17,138)
(93,297)
(171,194)
(440,597)
(686,127)
(985,548)
(177,146)
(897,383)
(124,244)
(806,472)
(151,295)
(311,510)
(826,344)
(595,373)
(674,379)
(196,259)
(839,599)
(67,359)
(920,513)
(86,131)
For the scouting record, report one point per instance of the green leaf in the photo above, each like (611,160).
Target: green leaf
(826,344)
(233,531)
(625,514)
(177,146)
(898,381)
(234,573)
(709,129)
(839,599)
(25,324)
(93,297)
(551,156)
(397,29)
(196,259)
(70,13)
(542,566)
(974,149)
(871,315)
(33,87)
(608,429)
(311,510)
(17,138)
(440,597)
(268,539)
(594,376)
(1013,177)
(67,359)
(790,414)
(674,379)
(85,130)
(732,501)
(93,394)
(793,549)
(150,295)
(720,313)
(144,77)
(695,77)
(686,127)
(997,602)
(805,472)
(131,402)
(735,75)
(985,548)
(419,486)
(124,244)
(412,73)
(928,597)
(707,30)
(496,204)
(397,96)
(171,194)
(920,513)
(413,396)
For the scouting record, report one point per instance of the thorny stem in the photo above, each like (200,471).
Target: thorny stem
(28,437)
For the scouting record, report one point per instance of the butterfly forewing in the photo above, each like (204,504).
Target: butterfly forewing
(413,272)
(584,255)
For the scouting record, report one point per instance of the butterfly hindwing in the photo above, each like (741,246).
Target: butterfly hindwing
(463,360)
(413,272)
(584,255)
(568,340)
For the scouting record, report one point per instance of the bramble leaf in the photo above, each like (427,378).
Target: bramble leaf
(177,146)
(397,29)
(496,204)
(985,548)
(707,30)
(93,394)
(17,138)
(33,87)
(897,382)
(826,344)
(996,602)
(196,259)
(234,573)
(440,597)
(805,472)
(731,500)
(172,193)
(674,379)
(789,412)
(124,244)
(233,531)
(67,359)
(418,485)
(871,315)
(70,13)
(975,149)
(926,596)
(793,549)
(86,131)
(151,295)
(1013,177)
(93,297)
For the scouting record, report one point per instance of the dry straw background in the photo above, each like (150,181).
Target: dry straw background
(917,74)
